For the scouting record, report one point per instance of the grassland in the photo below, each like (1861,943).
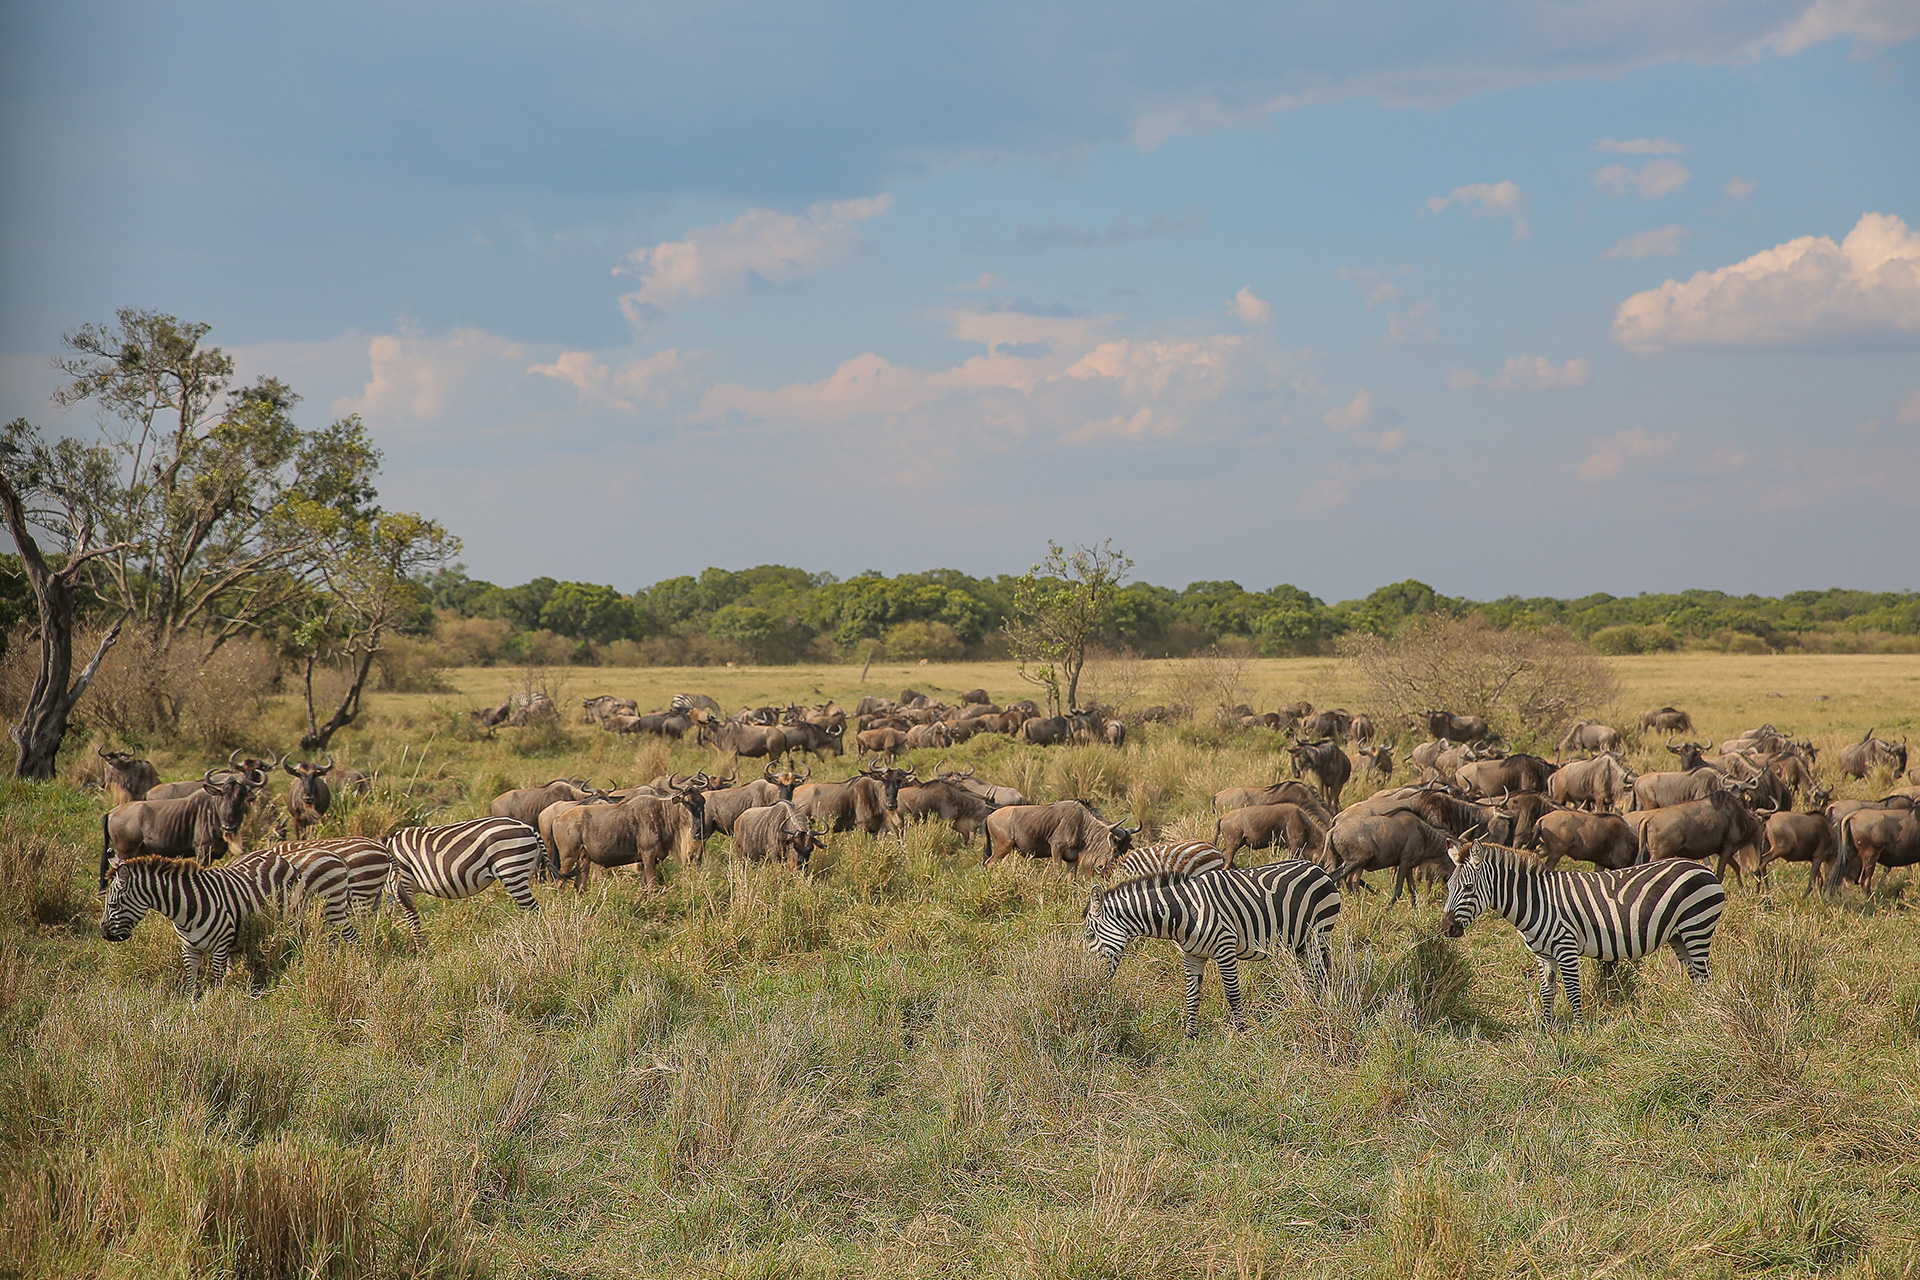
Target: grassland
(907,1065)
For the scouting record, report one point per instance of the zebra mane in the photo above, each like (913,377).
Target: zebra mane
(162,865)
(1486,851)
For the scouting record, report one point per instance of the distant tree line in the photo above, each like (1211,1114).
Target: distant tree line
(777,614)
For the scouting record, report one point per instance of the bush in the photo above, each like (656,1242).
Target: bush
(1627,639)
(914,640)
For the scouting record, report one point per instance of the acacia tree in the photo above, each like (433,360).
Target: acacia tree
(369,580)
(1058,608)
(35,487)
(199,496)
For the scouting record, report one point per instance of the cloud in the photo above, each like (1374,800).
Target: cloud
(1403,324)
(1654,179)
(1500,199)
(1658,242)
(1910,410)
(1250,306)
(1057,235)
(1871,22)
(1523,373)
(1614,452)
(760,246)
(628,386)
(1639,146)
(414,380)
(1738,188)
(1806,293)
(1357,412)
(1361,412)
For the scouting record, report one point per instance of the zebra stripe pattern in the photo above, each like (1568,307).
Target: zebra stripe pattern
(1610,915)
(1182,857)
(460,860)
(367,861)
(206,905)
(1220,916)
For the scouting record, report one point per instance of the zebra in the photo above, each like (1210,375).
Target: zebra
(368,863)
(1184,857)
(207,904)
(1221,916)
(460,860)
(1610,915)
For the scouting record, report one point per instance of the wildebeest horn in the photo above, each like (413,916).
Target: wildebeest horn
(329,768)
(1706,748)
(767,773)
(806,775)
(233,758)
(673,782)
(215,787)
(1671,747)
(289,768)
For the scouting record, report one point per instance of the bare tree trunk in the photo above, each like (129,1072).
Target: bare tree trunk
(43,722)
(318,735)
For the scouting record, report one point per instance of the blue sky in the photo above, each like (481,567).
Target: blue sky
(1541,298)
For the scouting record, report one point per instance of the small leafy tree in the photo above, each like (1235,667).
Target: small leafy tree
(1058,608)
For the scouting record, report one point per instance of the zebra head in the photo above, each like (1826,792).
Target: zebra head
(1463,892)
(1106,936)
(127,902)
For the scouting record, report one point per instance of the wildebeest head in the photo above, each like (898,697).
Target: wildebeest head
(692,792)
(891,779)
(1689,753)
(786,780)
(232,792)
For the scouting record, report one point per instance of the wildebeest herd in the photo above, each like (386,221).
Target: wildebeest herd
(1491,825)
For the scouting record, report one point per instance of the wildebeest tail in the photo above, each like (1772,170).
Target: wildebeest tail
(1844,858)
(106,848)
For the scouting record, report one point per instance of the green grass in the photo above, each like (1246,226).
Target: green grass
(908,1065)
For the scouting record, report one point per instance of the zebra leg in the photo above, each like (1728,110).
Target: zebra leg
(1230,979)
(216,966)
(403,903)
(1695,963)
(1196,968)
(1546,988)
(190,962)
(1568,962)
(520,889)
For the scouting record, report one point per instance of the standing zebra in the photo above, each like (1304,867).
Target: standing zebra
(367,861)
(1611,915)
(459,861)
(207,904)
(1183,857)
(1221,916)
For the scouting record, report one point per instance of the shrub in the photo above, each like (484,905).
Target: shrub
(1628,639)
(914,640)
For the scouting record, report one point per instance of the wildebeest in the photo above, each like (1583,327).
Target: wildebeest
(1600,783)
(492,717)
(1065,832)
(1493,777)
(741,739)
(975,697)
(1261,826)
(940,798)
(1884,836)
(1425,757)
(606,705)
(1326,763)
(929,735)
(308,795)
(1719,827)
(1664,790)
(642,829)
(525,804)
(822,740)
(1526,810)
(1870,753)
(128,777)
(202,826)
(1332,723)
(1289,792)
(997,796)
(725,804)
(1667,719)
(868,801)
(353,782)
(1045,731)
(1362,728)
(1444,724)
(1607,840)
(887,742)
(774,833)
(1799,837)
(1379,766)
(1589,735)
(1397,842)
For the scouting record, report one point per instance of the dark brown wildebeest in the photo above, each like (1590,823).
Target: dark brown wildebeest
(525,804)
(1526,810)
(1508,774)
(1664,790)
(1362,729)
(1045,731)
(742,739)
(1262,826)
(726,803)
(620,723)
(952,804)
(928,735)
(1425,757)
(1290,792)
(353,782)
(1462,819)
(642,829)
(1600,783)
(974,710)
(975,697)
(887,742)
(1396,842)
(1870,753)
(1589,735)
(869,801)
(1327,764)
(1064,832)
(1887,835)
(775,833)
(1719,826)
(128,777)
(1297,711)
(1332,723)
(492,717)
(1114,733)
(998,797)
(664,724)
(1666,720)
(1379,762)
(1607,840)
(871,705)
(817,739)
(1798,837)
(1446,765)
(607,705)
(1445,724)
(308,796)
(202,826)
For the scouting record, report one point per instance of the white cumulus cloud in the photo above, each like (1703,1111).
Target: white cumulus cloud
(1251,307)
(1657,242)
(1357,412)
(1650,181)
(416,380)
(761,245)
(1873,22)
(1523,373)
(1639,146)
(625,386)
(1809,292)
(1613,453)
(1501,199)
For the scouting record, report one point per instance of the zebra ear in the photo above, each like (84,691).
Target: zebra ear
(1453,851)
(1095,900)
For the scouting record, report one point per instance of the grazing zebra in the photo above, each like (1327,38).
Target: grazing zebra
(459,861)
(1611,915)
(1183,857)
(1221,916)
(367,860)
(207,904)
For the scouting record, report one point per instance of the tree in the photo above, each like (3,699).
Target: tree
(200,486)
(1058,608)
(33,473)
(369,575)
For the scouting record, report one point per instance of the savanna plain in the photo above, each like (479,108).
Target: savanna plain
(905,1063)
